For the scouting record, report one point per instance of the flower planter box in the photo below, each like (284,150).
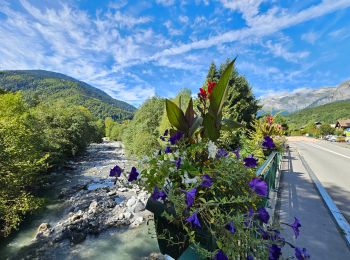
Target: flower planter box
(172,239)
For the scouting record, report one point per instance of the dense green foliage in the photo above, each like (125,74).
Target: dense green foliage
(113,129)
(328,113)
(32,140)
(241,105)
(46,87)
(141,134)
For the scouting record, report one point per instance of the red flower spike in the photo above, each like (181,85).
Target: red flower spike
(211,86)
(203,94)
(269,119)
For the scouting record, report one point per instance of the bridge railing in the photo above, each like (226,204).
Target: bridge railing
(268,172)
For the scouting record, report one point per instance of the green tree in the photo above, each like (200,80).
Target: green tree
(326,129)
(142,133)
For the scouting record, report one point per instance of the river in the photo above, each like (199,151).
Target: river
(90,171)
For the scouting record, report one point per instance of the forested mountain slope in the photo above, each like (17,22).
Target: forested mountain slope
(46,86)
(328,113)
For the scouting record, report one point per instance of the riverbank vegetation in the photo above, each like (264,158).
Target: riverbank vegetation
(34,139)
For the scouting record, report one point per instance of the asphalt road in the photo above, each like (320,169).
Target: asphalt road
(330,162)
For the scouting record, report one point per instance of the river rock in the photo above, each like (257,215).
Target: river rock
(92,207)
(139,207)
(43,231)
(131,202)
(137,221)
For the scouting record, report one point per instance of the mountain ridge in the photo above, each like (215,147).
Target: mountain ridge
(47,86)
(306,98)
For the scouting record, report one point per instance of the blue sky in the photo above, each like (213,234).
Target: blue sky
(136,49)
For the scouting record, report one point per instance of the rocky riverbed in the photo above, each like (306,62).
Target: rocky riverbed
(91,206)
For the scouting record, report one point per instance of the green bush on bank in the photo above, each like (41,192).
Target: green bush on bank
(32,140)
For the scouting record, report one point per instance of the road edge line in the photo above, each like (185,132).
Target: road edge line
(340,220)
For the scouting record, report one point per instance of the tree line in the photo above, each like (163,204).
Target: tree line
(33,140)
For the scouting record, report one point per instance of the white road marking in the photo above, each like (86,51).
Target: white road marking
(330,151)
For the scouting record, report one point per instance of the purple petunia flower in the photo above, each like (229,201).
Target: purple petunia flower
(274,252)
(250,257)
(207,181)
(115,171)
(178,163)
(295,226)
(168,149)
(162,138)
(250,161)
(259,186)
(263,215)
(133,174)
(264,234)
(236,152)
(268,143)
(190,195)
(175,137)
(193,219)
(166,132)
(158,194)
(230,227)
(221,153)
(301,254)
(220,255)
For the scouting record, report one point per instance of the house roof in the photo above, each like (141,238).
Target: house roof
(343,123)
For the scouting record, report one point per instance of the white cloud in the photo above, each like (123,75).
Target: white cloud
(262,25)
(278,50)
(310,37)
(184,19)
(165,2)
(172,31)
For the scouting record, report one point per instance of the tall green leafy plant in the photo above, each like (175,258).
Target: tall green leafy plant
(211,120)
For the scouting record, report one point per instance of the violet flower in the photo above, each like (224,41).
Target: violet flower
(133,174)
(295,226)
(259,186)
(115,171)
(220,255)
(193,219)
(162,138)
(274,252)
(190,195)
(268,143)
(250,161)
(230,227)
(250,257)
(168,149)
(301,254)
(178,163)
(166,132)
(263,215)
(175,137)
(221,153)
(207,181)
(158,194)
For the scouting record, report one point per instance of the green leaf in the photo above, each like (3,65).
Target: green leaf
(176,116)
(219,94)
(196,124)
(210,129)
(229,124)
(189,115)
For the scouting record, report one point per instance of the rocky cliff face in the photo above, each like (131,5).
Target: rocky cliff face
(304,98)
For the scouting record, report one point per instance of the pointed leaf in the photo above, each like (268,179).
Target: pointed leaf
(189,115)
(196,124)
(176,116)
(210,129)
(229,124)
(219,94)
